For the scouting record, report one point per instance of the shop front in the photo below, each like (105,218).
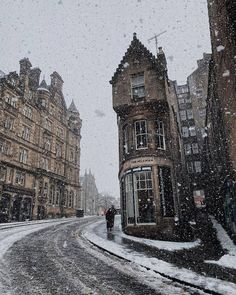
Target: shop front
(16,204)
(147,200)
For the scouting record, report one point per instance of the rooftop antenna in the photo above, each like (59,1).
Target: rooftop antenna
(155,37)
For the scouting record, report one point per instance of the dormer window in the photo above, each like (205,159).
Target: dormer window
(137,85)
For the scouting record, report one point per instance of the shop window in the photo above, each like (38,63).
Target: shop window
(138,88)
(144,197)
(166,191)
(129,199)
(52,194)
(141,134)
(161,143)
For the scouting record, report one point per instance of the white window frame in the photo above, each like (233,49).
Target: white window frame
(160,131)
(141,134)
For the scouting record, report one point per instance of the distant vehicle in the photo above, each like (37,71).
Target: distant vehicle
(79,213)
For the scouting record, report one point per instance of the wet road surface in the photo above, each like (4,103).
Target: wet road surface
(57,260)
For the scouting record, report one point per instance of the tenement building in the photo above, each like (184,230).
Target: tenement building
(192,98)
(221,114)
(149,155)
(39,147)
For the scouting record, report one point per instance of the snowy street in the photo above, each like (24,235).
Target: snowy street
(55,257)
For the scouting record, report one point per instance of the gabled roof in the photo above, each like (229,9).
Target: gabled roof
(72,108)
(136,49)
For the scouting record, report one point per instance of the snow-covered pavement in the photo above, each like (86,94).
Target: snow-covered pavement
(111,244)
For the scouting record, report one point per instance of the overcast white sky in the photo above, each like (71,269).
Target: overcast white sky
(84,42)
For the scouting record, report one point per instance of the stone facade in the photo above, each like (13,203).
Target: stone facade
(145,102)
(192,114)
(221,110)
(39,147)
(89,194)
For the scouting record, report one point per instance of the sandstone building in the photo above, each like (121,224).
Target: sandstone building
(145,102)
(39,147)
(221,114)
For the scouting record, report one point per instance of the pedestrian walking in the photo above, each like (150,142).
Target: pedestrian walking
(110,217)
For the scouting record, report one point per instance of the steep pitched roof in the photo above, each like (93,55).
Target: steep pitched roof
(43,86)
(72,108)
(136,49)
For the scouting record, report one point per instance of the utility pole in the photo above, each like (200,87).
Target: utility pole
(155,37)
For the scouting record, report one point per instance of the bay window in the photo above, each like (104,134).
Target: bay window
(141,134)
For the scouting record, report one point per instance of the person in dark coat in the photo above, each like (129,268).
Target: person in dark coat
(110,217)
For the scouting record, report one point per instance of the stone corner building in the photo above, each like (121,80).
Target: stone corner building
(149,152)
(39,147)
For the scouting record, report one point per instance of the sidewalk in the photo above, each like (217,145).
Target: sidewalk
(198,262)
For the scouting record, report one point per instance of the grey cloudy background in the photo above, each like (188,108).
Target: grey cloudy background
(84,42)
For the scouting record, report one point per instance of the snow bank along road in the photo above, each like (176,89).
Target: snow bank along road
(53,258)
